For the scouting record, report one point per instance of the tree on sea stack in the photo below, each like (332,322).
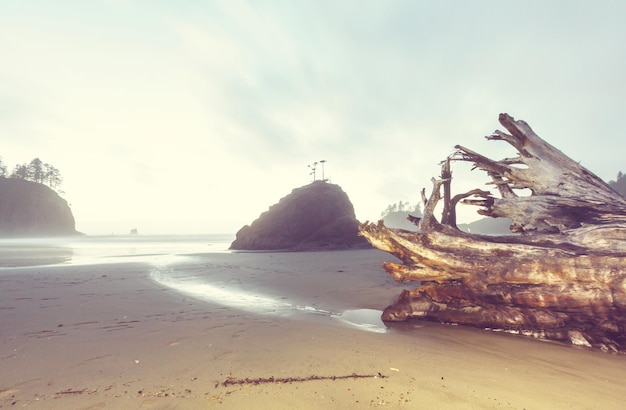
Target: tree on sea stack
(560,275)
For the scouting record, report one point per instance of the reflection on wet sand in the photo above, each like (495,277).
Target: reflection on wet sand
(22,255)
(363,319)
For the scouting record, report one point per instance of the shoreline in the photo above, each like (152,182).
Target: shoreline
(108,336)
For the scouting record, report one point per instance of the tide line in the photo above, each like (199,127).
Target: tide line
(362,319)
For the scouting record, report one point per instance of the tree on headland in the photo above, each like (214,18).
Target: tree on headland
(35,171)
(403,207)
(313,170)
(3,168)
(35,168)
(20,172)
(619,184)
(52,176)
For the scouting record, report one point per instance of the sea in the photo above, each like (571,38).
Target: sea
(168,258)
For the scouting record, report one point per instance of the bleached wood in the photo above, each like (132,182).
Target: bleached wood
(563,276)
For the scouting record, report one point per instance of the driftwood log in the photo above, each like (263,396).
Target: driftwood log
(560,274)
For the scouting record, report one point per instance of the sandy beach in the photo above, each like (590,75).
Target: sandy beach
(110,336)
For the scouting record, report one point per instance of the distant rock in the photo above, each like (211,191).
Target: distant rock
(483,226)
(396,216)
(318,216)
(488,226)
(29,209)
(398,220)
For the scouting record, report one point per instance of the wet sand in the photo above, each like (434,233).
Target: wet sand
(108,336)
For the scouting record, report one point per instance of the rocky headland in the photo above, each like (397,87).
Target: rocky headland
(318,216)
(29,209)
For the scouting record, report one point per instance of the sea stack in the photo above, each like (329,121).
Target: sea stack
(318,216)
(29,209)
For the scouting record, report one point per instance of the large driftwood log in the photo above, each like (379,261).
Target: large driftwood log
(560,275)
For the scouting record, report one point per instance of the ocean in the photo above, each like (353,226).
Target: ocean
(285,284)
(83,250)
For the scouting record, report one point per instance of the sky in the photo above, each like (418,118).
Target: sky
(195,116)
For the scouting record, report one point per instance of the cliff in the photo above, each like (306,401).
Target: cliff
(28,209)
(318,216)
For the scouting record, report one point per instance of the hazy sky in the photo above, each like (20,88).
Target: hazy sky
(196,116)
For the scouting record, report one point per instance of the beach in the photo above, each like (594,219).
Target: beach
(126,334)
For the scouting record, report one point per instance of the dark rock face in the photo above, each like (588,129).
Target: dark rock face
(317,216)
(28,209)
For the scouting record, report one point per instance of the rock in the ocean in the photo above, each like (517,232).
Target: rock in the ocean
(318,216)
(29,209)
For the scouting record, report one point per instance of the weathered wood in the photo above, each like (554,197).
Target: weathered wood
(562,276)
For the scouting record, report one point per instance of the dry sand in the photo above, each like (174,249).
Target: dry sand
(108,336)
